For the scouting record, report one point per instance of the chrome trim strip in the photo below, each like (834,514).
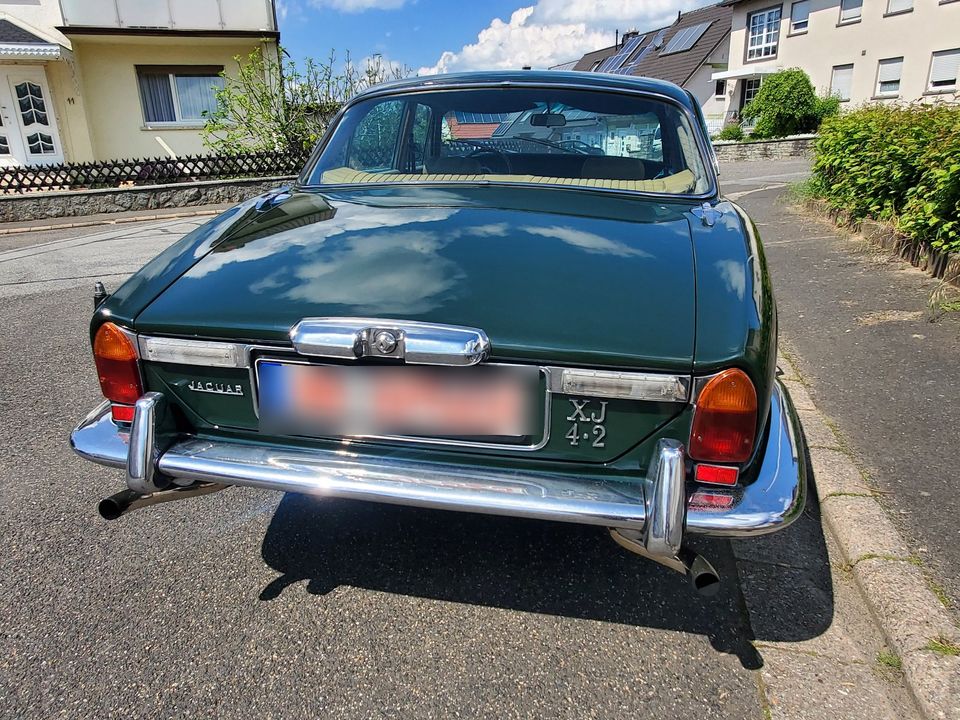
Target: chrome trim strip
(662,387)
(417,343)
(774,500)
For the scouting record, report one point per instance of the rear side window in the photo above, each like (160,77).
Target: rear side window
(523,135)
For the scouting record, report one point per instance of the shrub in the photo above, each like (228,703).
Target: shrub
(895,163)
(731,132)
(786,104)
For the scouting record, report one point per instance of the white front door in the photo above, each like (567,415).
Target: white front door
(28,128)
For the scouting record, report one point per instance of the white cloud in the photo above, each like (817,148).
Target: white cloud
(355,6)
(556,31)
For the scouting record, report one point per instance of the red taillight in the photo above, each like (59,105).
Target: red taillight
(725,421)
(122,413)
(116,360)
(716,474)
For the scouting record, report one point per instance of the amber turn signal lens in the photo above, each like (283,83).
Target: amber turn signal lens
(725,420)
(117,365)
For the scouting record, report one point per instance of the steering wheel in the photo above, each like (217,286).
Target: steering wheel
(486,156)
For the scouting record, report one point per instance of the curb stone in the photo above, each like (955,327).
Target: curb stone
(112,221)
(908,613)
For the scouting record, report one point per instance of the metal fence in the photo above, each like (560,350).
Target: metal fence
(149,171)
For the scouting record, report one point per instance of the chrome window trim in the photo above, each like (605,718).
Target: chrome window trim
(695,127)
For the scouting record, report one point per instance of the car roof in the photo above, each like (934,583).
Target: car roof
(600,81)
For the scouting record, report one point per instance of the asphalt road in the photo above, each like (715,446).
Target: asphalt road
(252,604)
(883,362)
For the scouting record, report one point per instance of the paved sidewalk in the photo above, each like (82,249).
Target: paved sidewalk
(859,324)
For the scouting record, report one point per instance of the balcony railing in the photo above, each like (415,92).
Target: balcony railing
(223,15)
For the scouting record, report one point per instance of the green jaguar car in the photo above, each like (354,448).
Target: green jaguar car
(517,293)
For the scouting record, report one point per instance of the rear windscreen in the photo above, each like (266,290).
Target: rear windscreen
(523,135)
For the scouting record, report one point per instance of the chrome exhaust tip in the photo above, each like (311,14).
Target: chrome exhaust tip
(126,501)
(702,575)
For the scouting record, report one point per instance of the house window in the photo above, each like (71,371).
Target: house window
(888,76)
(721,88)
(944,70)
(33,109)
(180,94)
(899,6)
(40,144)
(799,16)
(850,11)
(763,27)
(841,81)
(751,87)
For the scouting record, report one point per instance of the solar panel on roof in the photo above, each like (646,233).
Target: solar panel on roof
(473,117)
(685,38)
(613,62)
(655,43)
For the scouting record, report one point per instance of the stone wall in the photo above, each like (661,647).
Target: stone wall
(72,203)
(797,146)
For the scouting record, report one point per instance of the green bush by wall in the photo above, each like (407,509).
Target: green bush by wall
(895,163)
(787,104)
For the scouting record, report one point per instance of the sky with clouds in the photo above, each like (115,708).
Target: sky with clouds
(432,36)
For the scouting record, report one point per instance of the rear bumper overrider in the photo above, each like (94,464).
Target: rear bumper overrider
(654,514)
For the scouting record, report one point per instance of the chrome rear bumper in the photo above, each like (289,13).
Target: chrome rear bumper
(660,506)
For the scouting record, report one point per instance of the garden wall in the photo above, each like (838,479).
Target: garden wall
(72,203)
(797,146)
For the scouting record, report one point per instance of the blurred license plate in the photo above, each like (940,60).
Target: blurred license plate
(477,402)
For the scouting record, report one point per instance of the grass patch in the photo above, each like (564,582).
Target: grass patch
(801,191)
(943,646)
(889,660)
(939,593)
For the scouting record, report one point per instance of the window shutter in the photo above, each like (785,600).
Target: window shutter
(800,12)
(842,81)
(850,9)
(890,70)
(899,5)
(944,68)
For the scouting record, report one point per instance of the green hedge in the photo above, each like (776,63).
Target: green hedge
(895,163)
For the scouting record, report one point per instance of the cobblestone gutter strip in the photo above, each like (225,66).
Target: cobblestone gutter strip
(900,596)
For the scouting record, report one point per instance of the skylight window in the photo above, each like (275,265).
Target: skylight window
(685,38)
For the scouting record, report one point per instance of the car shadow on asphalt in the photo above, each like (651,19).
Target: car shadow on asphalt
(552,568)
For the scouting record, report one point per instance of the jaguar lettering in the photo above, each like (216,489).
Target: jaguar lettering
(217,388)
